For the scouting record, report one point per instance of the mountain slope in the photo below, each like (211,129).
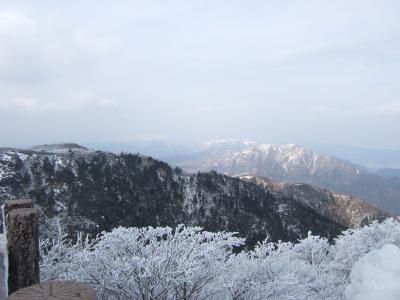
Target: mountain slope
(93,191)
(295,164)
(344,209)
(388,172)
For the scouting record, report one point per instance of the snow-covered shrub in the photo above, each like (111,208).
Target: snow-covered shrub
(353,244)
(60,254)
(188,263)
(376,275)
(147,263)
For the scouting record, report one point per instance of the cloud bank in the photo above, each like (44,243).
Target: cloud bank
(273,71)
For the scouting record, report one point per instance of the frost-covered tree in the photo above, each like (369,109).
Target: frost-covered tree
(144,263)
(189,263)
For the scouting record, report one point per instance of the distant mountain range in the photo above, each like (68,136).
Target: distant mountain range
(294,164)
(91,191)
(372,160)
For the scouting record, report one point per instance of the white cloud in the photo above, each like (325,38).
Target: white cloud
(24,103)
(248,67)
(33,49)
(320,109)
(207,108)
(12,23)
(92,42)
(390,109)
(107,102)
(144,137)
(43,61)
(29,104)
(20,55)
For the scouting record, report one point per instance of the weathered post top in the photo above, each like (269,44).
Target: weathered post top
(22,212)
(17,203)
(52,290)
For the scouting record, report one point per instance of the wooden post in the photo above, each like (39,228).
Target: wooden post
(23,244)
(63,290)
(15,204)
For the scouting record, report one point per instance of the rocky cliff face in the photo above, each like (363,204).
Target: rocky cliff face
(92,191)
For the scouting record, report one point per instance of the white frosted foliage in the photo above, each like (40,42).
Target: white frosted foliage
(376,275)
(189,263)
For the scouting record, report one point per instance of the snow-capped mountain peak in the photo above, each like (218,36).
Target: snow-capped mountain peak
(293,163)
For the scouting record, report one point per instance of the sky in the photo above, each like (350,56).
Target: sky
(272,71)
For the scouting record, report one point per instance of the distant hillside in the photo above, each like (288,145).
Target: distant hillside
(91,191)
(293,163)
(388,172)
(344,209)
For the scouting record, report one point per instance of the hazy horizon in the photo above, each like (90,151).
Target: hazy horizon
(304,72)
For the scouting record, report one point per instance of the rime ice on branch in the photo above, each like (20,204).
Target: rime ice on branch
(188,263)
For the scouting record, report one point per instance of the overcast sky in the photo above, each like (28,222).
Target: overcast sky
(273,71)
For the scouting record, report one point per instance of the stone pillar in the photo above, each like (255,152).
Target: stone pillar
(23,244)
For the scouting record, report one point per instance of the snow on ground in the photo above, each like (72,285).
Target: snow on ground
(3,267)
(376,276)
